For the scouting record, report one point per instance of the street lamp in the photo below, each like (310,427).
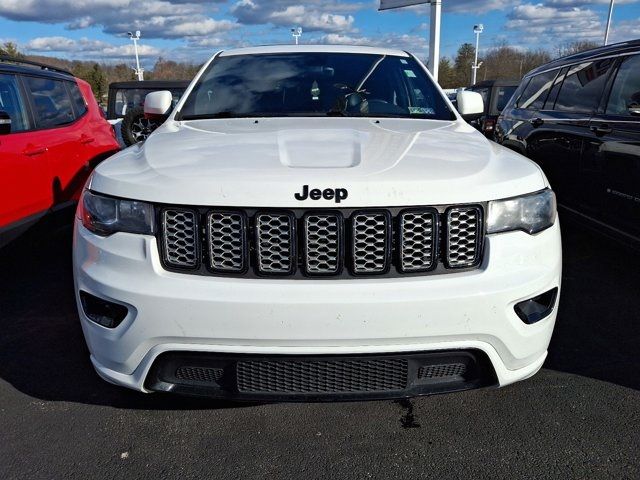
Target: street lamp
(296,33)
(139,71)
(477,29)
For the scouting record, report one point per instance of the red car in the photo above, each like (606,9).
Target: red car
(52,135)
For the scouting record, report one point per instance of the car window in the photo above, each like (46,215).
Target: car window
(51,102)
(555,89)
(536,92)
(13,104)
(78,99)
(582,87)
(128,98)
(504,94)
(310,84)
(626,88)
(484,93)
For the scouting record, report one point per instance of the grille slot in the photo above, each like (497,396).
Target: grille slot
(418,241)
(464,238)
(327,376)
(442,371)
(323,243)
(200,374)
(180,238)
(371,241)
(227,241)
(275,243)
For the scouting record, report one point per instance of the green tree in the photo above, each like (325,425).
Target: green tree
(446,75)
(10,49)
(463,62)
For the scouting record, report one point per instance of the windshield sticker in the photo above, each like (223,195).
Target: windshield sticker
(410,74)
(421,111)
(402,61)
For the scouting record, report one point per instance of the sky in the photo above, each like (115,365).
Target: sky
(192,30)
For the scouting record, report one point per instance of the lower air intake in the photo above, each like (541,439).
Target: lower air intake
(343,376)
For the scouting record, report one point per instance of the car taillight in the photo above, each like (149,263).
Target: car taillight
(489,125)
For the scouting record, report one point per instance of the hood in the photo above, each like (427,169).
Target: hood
(265,162)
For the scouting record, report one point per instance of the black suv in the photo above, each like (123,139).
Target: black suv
(496,94)
(579,118)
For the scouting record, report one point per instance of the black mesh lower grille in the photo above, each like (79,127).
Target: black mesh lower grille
(378,375)
(199,374)
(442,371)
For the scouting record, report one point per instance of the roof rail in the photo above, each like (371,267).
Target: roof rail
(42,66)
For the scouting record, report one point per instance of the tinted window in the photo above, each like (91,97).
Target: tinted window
(299,84)
(77,98)
(536,92)
(504,95)
(51,102)
(128,98)
(484,92)
(12,103)
(626,88)
(555,89)
(582,87)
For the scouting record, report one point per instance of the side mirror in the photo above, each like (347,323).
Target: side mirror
(157,105)
(634,109)
(470,105)
(5,123)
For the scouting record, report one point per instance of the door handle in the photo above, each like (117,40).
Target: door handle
(32,150)
(601,130)
(85,139)
(536,122)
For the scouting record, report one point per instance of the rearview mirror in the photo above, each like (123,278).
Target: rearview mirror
(158,104)
(5,123)
(470,105)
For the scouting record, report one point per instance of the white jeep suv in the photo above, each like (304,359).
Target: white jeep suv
(316,223)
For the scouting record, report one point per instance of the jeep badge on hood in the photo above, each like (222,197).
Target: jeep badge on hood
(337,194)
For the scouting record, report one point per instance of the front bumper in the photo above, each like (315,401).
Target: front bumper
(173,312)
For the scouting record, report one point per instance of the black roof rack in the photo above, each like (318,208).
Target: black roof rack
(42,66)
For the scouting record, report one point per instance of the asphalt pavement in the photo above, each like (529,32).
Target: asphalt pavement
(578,418)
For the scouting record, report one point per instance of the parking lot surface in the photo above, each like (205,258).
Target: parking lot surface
(578,418)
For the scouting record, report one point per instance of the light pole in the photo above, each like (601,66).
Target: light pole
(296,33)
(477,29)
(139,71)
(606,33)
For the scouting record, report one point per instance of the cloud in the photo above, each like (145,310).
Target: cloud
(85,48)
(312,15)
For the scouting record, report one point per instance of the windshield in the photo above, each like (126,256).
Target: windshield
(313,84)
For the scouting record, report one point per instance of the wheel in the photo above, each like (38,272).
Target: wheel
(135,128)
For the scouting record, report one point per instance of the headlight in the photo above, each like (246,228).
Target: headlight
(530,213)
(105,215)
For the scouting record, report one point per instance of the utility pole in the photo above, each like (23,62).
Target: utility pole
(296,33)
(606,33)
(477,29)
(139,71)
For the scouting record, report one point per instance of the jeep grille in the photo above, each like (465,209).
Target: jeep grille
(316,244)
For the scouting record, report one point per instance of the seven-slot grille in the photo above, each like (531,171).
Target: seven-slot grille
(316,243)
